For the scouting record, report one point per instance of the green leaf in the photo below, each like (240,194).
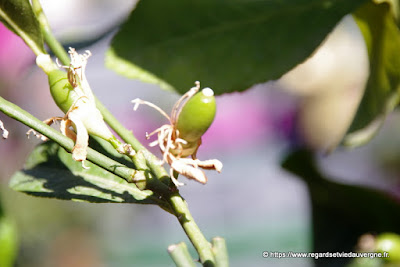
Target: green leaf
(19,17)
(382,37)
(51,172)
(228,45)
(341,213)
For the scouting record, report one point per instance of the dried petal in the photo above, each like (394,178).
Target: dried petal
(79,151)
(213,164)
(189,171)
(65,129)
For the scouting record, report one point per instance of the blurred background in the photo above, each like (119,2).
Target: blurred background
(254,204)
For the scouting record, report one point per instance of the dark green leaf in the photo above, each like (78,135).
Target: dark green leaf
(382,36)
(228,45)
(341,213)
(51,172)
(18,16)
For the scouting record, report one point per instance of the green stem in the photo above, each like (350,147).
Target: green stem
(197,238)
(48,35)
(15,112)
(180,255)
(220,252)
(139,160)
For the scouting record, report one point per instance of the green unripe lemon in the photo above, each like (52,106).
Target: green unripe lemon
(61,90)
(390,243)
(197,115)
(8,242)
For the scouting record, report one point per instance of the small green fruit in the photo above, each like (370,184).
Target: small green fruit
(196,116)
(8,242)
(61,90)
(390,243)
